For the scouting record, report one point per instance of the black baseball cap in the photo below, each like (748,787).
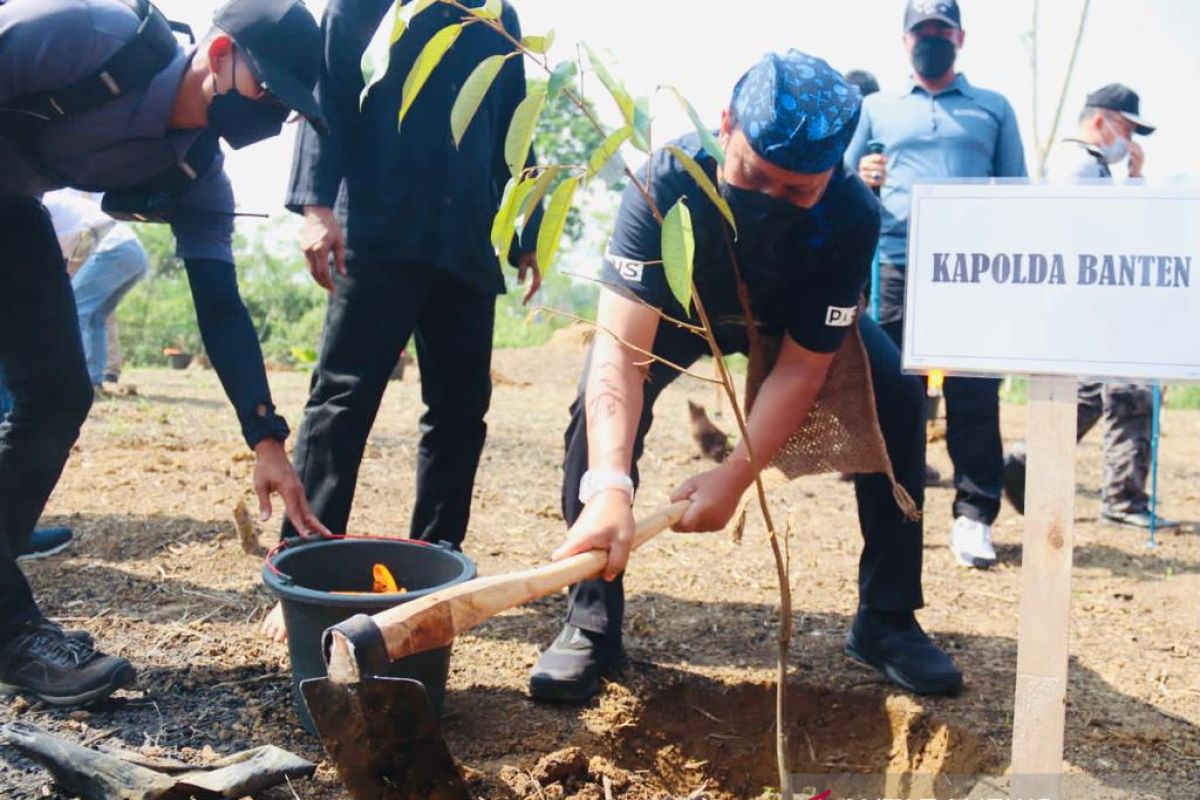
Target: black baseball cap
(1123,100)
(283,44)
(919,11)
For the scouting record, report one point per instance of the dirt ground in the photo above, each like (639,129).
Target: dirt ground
(158,575)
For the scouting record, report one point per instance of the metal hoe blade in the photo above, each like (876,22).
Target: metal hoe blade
(384,739)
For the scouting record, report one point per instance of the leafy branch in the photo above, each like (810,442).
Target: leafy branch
(528,187)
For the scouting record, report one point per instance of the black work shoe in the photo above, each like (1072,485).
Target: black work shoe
(893,643)
(571,668)
(62,669)
(1136,519)
(1014,481)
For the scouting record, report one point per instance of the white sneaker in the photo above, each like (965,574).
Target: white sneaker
(971,543)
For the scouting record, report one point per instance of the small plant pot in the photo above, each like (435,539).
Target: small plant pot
(179,360)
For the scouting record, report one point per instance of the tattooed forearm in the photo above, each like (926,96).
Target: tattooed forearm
(605,394)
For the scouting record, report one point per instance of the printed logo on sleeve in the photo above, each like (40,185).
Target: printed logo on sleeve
(840,317)
(627,268)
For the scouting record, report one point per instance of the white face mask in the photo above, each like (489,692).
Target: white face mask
(1116,152)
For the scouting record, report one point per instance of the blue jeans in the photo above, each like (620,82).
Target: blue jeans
(101,283)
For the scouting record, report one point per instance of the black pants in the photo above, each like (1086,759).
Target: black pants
(889,573)
(42,354)
(372,313)
(972,419)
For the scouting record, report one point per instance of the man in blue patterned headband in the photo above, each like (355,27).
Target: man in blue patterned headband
(806,233)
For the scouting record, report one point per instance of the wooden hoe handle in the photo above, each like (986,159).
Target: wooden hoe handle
(434,620)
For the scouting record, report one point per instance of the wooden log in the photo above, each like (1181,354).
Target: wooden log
(1039,717)
(84,772)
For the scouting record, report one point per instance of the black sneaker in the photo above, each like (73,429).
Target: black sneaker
(62,669)
(1014,480)
(571,668)
(893,643)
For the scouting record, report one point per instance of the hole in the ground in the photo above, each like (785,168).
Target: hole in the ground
(882,745)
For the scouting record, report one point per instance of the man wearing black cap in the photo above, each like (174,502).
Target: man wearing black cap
(941,127)
(99,95)
(806,234)
(1110,118)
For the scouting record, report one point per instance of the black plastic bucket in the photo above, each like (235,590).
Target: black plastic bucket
(309,574)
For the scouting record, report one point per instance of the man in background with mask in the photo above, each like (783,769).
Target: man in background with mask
(807,228)
(1110,118)
(941,127)
(99,95)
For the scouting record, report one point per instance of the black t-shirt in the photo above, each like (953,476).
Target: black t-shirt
(805,279)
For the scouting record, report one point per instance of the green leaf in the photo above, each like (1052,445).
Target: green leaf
(706,185)
(376,57)
(679,250)
(538,44)
(711,145)
(474,89)
(605,152)
(492,9)
(521,129)
(504,225)
(641,124)
(624,102)
(554,223)
(430,56)
(540,189)
(563,74)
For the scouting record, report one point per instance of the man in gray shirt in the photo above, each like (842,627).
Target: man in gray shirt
(941,127)
(1107,125)
(98,95)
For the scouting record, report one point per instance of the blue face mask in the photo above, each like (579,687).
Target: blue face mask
(241,121)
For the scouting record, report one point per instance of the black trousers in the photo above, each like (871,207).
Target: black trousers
(372,313)
(973,440)
(889,571)
(41,353)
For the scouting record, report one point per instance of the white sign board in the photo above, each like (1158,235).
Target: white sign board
(1088,281)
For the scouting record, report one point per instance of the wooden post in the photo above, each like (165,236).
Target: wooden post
(1039,717)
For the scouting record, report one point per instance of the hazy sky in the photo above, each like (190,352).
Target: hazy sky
(703,48)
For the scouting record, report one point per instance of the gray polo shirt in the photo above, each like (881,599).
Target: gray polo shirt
(961,132)
(51,44)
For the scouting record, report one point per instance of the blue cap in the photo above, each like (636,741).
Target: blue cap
(797,112)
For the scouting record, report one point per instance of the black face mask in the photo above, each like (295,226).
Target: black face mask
(933,56)
(241,121)
(757,213)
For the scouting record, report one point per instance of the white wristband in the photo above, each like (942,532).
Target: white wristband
(599,480)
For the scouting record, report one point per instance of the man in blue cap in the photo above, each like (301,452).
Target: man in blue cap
(806,234)
(99,95)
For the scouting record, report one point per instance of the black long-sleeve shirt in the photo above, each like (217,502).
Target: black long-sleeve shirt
(46,45)
(407,195)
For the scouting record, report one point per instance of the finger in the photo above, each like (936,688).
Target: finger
(575,545)
(684,492)
(339,257)
(264,501)
(297,511)
(318,267)
(535,283)
(618,557)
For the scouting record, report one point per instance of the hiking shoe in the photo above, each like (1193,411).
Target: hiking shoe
(894,643)
(61,669)
(571,668)
(46,542)
(1013,480)
(971,543)
(1136,519)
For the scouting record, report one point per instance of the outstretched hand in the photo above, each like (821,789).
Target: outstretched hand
(273,474)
